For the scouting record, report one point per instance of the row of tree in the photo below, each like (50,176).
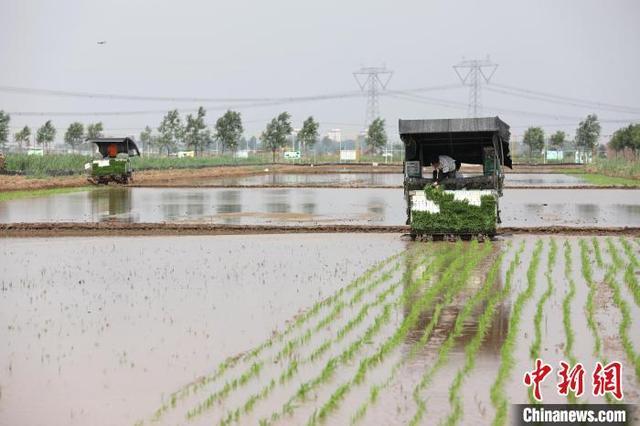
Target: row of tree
(228,131)
(46,133)
(586,139)
(194,133)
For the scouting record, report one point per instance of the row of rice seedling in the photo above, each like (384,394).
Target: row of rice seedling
(453,284)
(597,252)
(471,350)
(498,396)
(300,321)
(349,353)
(566,310)
(481,295)
(623,306)
(587,274)
(295,363)
(375,389)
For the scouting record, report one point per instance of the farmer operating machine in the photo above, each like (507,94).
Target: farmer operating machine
(114,163)
(457,206)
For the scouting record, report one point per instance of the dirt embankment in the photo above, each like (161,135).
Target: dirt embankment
(182,177)
(131,229)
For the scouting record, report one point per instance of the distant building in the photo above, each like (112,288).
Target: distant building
(335,135)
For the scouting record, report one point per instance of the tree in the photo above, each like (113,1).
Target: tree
(46,134)
(557,139)
(588,133)
(74,134)
(147,138)
(376,135)
(308,135)
(94,130)
(4,127)
(22,136)
(253,143)
(626,138)
(171,131)
(196,134)
(534,139)
(275,135)
(228,130)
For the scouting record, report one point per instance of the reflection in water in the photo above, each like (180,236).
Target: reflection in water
(587,211)
(111,204)
(376,205)
(228,201)
(277,201)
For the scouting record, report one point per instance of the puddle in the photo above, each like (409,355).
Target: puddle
(309,206)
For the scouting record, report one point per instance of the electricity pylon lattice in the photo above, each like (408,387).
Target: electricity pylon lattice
(472,73)
(372,80)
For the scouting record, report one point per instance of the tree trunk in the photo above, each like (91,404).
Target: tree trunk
(273,158)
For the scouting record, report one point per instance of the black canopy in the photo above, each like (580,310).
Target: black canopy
(124,145)
(460,138)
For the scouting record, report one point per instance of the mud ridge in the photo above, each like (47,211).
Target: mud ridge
(119,228)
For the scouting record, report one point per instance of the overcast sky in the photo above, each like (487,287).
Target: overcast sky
(585,49)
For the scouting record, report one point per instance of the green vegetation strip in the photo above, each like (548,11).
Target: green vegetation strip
(587,274)
(471,351)
(14,195)
(375,389)
(445,348)
(623,306)
(300,321)
(597,252)
(498,395)
(603,180)
(630,271)
(348,354)
(566,310)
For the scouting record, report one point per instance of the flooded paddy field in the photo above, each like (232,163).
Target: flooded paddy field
(312,206)
(372,328)
(352,179)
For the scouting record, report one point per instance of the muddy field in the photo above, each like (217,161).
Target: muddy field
(313,206)
(370,328)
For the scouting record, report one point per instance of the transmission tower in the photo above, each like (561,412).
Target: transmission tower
(372,80)
(472,73)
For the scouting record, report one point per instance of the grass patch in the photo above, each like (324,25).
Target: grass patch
(455,216)
(14,195)
(604,180)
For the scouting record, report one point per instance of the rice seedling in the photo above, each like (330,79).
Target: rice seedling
(471,350)
(477,298)
(348,354)
(623,306)
(597,251)
(566,311)
(426,335)
(590,304)
(452,283)
(628,249)
(498,396)
(303,318)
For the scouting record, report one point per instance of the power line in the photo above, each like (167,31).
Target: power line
(79,94)
(528,94)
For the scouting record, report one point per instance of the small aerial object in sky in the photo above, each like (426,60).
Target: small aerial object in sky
(102,42)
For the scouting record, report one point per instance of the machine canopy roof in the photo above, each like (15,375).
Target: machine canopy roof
(460,138)
(124,145)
